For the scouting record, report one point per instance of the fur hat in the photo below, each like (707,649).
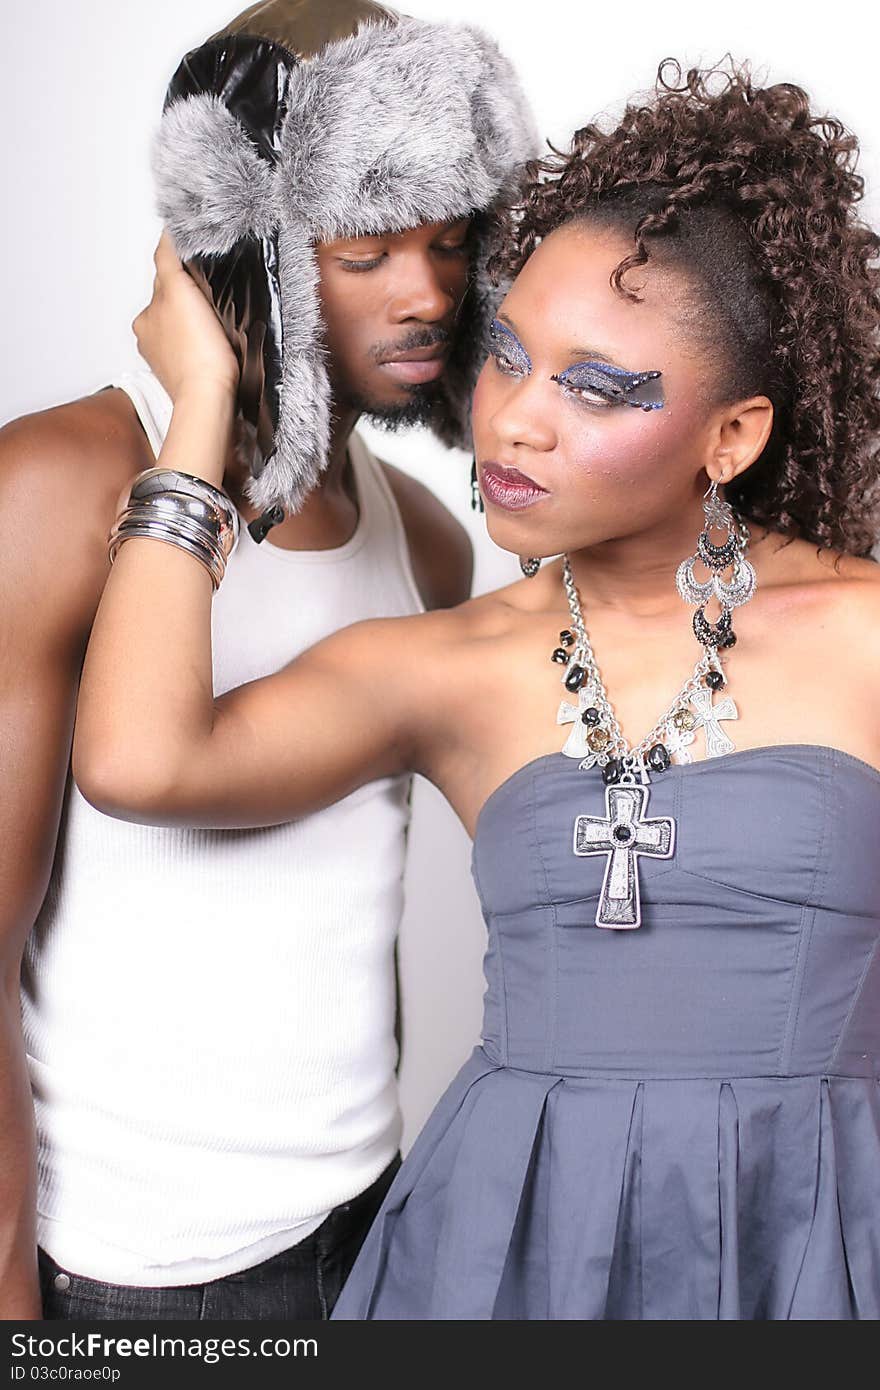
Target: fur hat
(305,121)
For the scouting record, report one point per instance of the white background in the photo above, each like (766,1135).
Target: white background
(81,88)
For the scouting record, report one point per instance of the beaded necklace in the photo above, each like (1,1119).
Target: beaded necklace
(597,740)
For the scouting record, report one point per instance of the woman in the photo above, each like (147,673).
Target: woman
(675,1110)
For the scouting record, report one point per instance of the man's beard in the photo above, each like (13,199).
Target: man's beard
(422,398)
(418,409)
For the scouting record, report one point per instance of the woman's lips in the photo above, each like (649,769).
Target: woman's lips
(508,488)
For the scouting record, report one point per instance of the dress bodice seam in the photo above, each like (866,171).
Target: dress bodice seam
(808,919)
(646,1075)
(551,960)
(828,755)
(857,994)
(744,892)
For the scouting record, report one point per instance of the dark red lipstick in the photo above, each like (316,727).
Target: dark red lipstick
(509,488)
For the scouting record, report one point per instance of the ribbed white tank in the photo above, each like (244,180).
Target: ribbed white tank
(209,1015)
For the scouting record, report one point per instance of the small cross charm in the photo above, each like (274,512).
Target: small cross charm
(576,745)
(708,715)
(678,742)
(622,834)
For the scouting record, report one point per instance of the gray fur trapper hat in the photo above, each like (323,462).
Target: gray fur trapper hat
(309,120)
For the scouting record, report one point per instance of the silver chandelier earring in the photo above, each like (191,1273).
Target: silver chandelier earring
(730,593)
(529,566)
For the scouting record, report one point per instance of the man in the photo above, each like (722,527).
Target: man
(208,1017)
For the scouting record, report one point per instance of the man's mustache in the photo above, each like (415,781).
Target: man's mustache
(427,337)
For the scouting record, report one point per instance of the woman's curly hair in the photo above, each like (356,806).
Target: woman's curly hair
(754,196)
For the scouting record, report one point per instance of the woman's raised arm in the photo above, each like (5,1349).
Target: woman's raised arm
(151,743)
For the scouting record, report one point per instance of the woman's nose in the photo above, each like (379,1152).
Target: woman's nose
(524,416)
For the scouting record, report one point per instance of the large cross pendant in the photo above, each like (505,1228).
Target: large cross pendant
(623,834)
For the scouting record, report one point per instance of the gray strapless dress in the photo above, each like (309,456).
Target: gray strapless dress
(680,1121)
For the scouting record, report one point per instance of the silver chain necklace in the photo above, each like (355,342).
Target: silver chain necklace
(597,740)
(593,691)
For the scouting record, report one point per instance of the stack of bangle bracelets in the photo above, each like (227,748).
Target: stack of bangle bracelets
(163,504)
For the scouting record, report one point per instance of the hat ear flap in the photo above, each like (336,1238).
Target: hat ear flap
(302,435)
(213,187)
(216,195)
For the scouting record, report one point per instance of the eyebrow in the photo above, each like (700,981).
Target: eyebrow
(577,354)
(584,354)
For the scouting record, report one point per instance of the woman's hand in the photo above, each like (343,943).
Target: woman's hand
(179,335)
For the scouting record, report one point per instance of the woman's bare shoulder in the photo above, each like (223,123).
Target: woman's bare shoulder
(834,595)
(490,626)
(448,650)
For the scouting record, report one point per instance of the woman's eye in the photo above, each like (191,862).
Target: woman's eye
(592,395)
(507,351)
(603,385)
(504,363)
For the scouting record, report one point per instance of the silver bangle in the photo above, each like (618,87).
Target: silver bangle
(194,545)
(182,510)
(175,512)
(154,483)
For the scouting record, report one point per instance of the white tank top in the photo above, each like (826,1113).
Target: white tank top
(209,1015)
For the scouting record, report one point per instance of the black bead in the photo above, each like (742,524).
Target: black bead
(714,680)
(560,655)
(611,772)
(575,679)
(566,637)
(591,716)
(658,758)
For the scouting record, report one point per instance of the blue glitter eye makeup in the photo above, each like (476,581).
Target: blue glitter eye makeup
(506,348)
(613,385)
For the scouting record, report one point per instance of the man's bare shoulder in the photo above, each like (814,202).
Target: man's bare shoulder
(440,548)
(83,444)
(61,473)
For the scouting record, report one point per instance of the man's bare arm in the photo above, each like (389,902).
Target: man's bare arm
(59,474)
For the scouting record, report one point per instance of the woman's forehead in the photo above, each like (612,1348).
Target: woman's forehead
(564,302)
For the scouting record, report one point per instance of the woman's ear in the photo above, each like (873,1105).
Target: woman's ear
(739,438)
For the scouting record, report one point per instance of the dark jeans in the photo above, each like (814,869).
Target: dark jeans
(301,1283)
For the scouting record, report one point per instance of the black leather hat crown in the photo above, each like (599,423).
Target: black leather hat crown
(301,122)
